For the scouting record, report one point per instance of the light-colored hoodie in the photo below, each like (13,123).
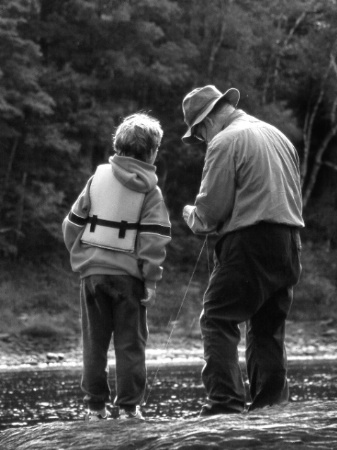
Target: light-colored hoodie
(153,236)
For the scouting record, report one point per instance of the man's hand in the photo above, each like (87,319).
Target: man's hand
(150,298)
(187,211)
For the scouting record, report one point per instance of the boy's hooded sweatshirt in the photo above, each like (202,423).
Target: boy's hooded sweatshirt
(145,262)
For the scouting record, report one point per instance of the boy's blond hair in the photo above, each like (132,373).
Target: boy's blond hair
(138,136)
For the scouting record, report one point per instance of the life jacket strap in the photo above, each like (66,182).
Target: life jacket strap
(123,225)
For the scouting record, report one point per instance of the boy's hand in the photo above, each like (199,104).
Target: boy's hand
(150,298)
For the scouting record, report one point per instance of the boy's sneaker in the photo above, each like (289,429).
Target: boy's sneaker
(95,416)
(131,413)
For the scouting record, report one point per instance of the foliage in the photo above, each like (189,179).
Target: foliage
(45,300)
(71,69)
(315,295)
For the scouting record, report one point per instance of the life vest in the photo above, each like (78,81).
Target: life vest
(114,212)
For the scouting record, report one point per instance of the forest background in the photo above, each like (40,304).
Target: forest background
(70,70)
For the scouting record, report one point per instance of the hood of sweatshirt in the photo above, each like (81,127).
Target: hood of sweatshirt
(134,174)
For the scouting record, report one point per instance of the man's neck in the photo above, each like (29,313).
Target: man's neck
(220,121)
(229,119)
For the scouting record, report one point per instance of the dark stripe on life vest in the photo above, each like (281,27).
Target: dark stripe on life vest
(77,220)
(157,229)
(112,224)
(123,226)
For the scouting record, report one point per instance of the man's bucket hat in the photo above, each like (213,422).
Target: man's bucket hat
(200,102)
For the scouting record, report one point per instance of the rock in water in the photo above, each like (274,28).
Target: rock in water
(312,425)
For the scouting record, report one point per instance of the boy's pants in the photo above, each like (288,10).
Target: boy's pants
(110,305)
(255,270)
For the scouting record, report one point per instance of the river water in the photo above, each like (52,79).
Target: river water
(39,396)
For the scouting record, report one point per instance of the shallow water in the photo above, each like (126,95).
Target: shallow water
(33,397)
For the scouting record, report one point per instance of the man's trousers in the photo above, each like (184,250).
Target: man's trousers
(252,281)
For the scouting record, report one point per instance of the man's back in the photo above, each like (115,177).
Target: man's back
(251,175)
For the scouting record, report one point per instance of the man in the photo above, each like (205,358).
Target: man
(250,197)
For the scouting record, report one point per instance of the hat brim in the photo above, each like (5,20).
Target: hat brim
(232,96)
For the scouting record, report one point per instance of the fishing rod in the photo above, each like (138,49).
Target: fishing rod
(179,310)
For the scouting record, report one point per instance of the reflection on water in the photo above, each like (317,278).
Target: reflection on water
(313,381)
(32,397)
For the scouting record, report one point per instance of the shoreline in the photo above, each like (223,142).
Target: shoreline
(306,341)
(153,364)
(159,362)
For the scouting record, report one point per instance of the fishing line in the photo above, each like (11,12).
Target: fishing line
(177,315)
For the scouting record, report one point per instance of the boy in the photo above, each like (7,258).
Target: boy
(116,233)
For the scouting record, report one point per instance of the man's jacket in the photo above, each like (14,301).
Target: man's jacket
(251,174)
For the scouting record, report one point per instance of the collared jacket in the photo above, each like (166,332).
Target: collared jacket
(145,262)
(251,174)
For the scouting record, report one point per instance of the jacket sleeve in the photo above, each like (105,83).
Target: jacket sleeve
(214,203)
(75,221)
(154,235)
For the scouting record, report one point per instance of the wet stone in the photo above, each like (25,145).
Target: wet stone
(311,425)
(55,356)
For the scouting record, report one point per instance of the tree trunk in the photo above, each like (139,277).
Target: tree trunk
(307,136)
(20,209)
(308,127)
(307,133)
(217,45)
(3,191)
(317,165)
(280,53)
